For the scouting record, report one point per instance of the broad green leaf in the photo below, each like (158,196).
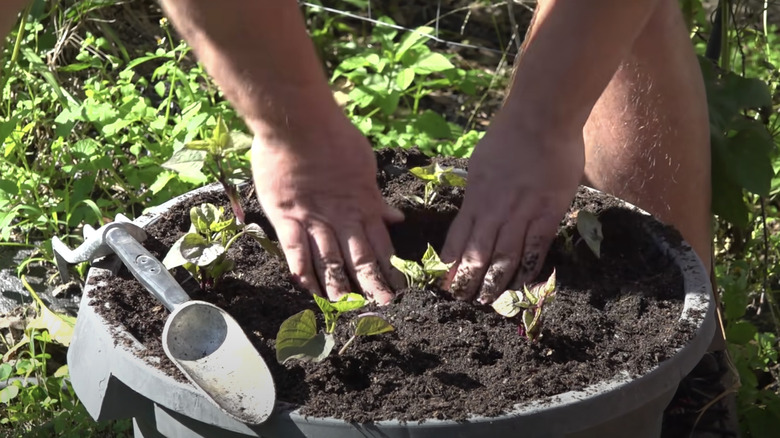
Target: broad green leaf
(749,153)
(220,226)
(529,322)
(239,142)
(8,393)
(298,339)
(61,371)
(324,304)
(589,228)
(432,62)
(508,304)
(196,249)
(349,302)
(204,215)
(410,39)
(412,270)
(389,103)
(220,267)
(447,176)
(161,181)
(372,324)
(174,258)
(433,125)
(186,162)
(740,332)
(404,78)
(425,173)
(257,233)
(432,264)
(59,326)
(5,371)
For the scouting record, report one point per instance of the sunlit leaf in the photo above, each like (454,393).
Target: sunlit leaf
(349,302)
(371,324)
(186,162)
(174,257)
(8,393)
(589,228)
(508,304)
(432,62)
(59,326)
(196,249)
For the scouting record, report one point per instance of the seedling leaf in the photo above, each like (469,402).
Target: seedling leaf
(349,302)
(372,324)
(530,323)
(508,304)
(298,339)
(257,233)
(174,257)
(197,250)
(433,267)
(412,270)
(589,228)
(187,162)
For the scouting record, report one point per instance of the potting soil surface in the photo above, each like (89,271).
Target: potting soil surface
(446,359)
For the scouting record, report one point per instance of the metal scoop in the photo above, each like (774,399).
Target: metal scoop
(204,341)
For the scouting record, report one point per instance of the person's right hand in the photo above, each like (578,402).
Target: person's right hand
(317,185)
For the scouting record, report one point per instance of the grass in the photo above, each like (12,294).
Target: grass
(97,96)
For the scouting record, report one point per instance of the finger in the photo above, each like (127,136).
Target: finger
(506,258)
(363,265)
(328,262)
(540,234)
(392,215)
(475,259)
(455,243)
(295,245)
(376,233)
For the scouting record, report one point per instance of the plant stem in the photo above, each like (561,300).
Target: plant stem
(347,344)
(17,47)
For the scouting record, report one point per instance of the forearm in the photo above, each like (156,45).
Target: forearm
(262,58)
(570,55)
(9,12)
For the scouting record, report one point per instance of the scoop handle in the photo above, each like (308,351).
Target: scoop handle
(144,267)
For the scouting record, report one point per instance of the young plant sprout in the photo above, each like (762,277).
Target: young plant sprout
(215,155)
(203,250)
(589,227)
(298,337)
(531,302)
(435,176)
(420,276)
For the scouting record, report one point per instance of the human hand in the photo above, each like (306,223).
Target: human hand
(521,181)
(321,196)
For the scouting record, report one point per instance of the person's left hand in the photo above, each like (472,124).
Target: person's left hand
(522,178)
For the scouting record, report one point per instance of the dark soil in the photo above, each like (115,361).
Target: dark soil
(446,359)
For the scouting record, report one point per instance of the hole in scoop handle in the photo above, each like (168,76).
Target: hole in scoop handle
(145,268)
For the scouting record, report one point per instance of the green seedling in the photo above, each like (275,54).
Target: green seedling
(203,250)
(420,276)
(298,337)
(531,302)
(215,155)
(435,176)
(589,227)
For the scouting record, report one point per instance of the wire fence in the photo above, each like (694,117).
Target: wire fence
(513,36)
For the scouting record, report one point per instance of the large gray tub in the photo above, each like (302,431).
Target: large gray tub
(114,383)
